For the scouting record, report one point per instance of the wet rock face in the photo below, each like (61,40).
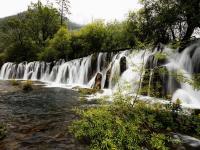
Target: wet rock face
(153,61)
(98,79)
(122,64)
(195,59)
(157,80)
(188,142)
(162,83)
(107,78)
(29,76)
(93,67)
(105,61)
(39,73)
(51,66)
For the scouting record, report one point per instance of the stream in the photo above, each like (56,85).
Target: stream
(38,120)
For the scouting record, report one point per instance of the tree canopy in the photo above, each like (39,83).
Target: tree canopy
(42,32)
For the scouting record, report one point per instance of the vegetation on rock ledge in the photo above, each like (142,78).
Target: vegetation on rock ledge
(123,125)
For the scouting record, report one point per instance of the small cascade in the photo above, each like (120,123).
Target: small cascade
(120,70)
(150,82)
(184,63)
(129,80)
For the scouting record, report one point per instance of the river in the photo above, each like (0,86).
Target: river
(38,120)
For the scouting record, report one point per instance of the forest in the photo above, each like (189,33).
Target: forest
(38,34)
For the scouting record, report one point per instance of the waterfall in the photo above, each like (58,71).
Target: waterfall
(118,70)
(187,64)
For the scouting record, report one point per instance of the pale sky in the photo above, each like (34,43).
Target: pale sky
(82,11)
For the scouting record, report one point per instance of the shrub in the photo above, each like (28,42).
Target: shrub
(14,82)
(122,125)
(27,86)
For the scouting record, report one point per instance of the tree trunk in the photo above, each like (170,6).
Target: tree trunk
(61,17)
(189,32)
(173,35)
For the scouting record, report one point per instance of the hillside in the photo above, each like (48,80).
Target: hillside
(71,25)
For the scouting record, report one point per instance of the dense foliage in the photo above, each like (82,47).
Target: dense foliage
(26,34)
(170,20)
(58,47)
(123,125)
(36,34)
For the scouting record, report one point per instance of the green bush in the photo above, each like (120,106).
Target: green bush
(14,82)
(122,125)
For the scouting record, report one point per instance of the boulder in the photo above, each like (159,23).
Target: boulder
(187,142)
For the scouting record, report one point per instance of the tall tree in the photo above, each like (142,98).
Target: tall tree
(167,20)
(191,10)
(25,35)
(64,9)
(43,22)
(19,44)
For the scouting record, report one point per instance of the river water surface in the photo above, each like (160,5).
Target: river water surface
(38,120)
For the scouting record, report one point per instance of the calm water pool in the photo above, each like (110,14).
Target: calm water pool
(38,120)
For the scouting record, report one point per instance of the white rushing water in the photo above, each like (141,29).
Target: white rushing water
(83,72)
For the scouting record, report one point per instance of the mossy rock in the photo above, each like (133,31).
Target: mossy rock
(27,86)
(88,91)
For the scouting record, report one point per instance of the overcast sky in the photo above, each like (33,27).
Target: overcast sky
(83,11)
